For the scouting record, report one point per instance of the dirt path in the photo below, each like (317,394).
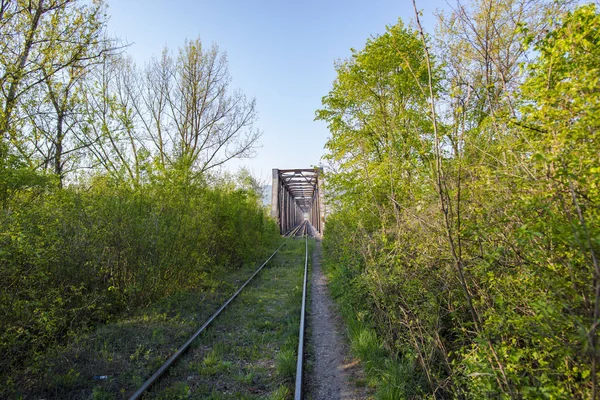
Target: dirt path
(334,373)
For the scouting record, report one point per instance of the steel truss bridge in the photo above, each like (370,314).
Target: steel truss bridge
(297,196)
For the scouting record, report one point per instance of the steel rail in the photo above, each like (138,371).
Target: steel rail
(298,390)
(296,230)
(293,231)
(299,231)
(187,344)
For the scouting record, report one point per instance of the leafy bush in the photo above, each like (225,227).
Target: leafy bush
(71,258)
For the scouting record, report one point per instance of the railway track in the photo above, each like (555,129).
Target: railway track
(300,362)
(299,230)
(302,230)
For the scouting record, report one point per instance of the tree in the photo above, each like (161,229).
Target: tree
(189,113)
(374,114)
(483,46)
(55,108)
(465,228)
(47,45)
(117,145)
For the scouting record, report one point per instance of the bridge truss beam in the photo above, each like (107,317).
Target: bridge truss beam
(297,195)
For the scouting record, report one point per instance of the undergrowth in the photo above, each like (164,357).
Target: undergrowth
(73,259)
(390,374)
(248,352)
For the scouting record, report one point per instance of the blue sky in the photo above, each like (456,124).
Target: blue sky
(281,52)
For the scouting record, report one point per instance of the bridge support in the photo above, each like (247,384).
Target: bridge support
(297,195)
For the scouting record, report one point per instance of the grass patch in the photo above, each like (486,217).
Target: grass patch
(238,351)
(250,350)
(285,364)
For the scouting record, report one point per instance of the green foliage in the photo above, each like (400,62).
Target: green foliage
(469,255)
(72,258)
(139,220)
(375,115)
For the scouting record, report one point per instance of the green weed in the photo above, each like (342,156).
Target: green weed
(286,364)
(281,393)
(101,394)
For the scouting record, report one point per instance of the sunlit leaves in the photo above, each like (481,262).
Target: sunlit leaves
(519,178)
